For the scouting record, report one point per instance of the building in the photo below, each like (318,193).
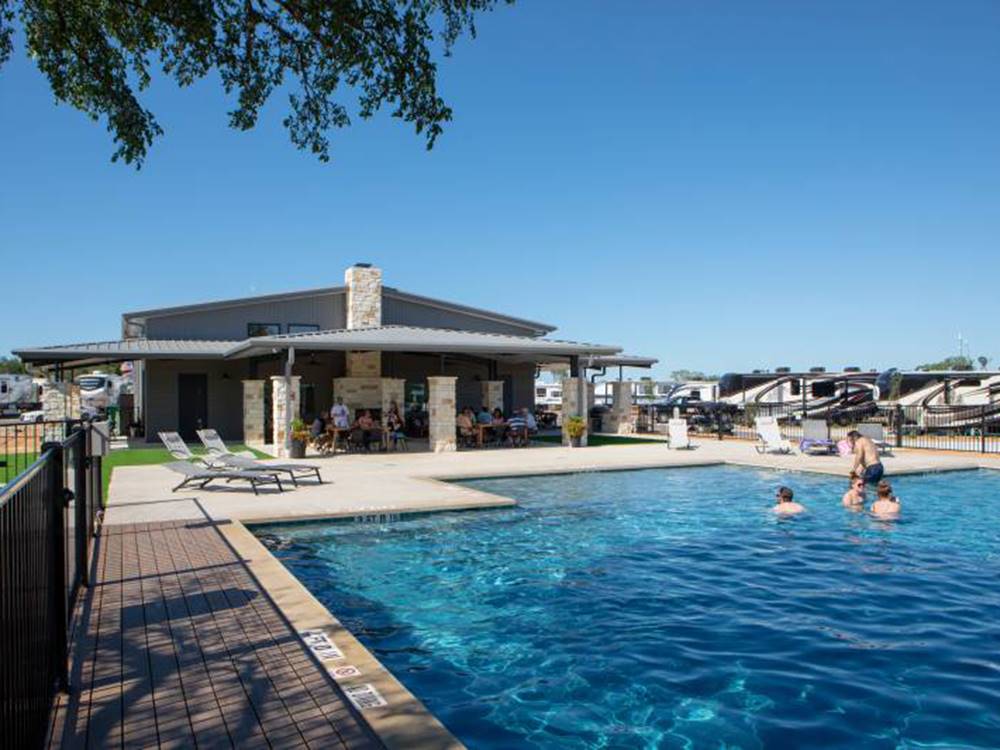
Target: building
(247,366)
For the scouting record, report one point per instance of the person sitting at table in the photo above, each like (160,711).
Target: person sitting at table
(317,427)
(394,424)
(517,429)
(366,424)
(465,422)
(499,425)
(484,416)
(529,420)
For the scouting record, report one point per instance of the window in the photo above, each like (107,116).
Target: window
(302,327)
(796,387)
(824,389)
(263,329)
(539,393)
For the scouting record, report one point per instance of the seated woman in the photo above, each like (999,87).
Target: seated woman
(394,425)
(498,425)
(465,424)
(886,504)
(855,495)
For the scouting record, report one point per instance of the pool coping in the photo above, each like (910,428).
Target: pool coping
(403,722)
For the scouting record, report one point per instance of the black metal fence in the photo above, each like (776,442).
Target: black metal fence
(973,428)
(48,517)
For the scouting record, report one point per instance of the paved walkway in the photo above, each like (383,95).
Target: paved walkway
(181,647)
(401,482)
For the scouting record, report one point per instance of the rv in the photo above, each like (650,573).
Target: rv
(18,393)
(844,396)
(548,396)
(949,398)
(98,391)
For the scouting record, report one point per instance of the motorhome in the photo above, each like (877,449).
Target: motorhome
(843,395)
(98,391)
(947,398)
(18,393)
(548,396)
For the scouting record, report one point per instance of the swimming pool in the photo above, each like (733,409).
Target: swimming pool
(669,609)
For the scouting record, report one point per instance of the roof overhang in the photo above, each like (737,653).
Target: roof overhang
(622,360)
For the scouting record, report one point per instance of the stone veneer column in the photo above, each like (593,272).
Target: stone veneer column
(570,406)
(364,296)
(493,394)
(57,405)
(618,418)
(278,416)
(441,412)
(253,412)
(363,364)
(393,389)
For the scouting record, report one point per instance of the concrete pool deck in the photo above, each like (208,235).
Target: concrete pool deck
(409,482)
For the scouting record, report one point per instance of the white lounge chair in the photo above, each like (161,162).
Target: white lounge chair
(677,434)
(202,476)
(876,433)
(769,434)
(218,451)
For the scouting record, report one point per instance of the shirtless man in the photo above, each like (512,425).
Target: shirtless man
(855,495)
(887,504)
(866,461)
(786,505)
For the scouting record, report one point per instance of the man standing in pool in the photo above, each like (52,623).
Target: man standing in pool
(786,504)
(867,463)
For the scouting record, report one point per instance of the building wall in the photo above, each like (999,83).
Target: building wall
(404,312)
(328,311)
(225,395)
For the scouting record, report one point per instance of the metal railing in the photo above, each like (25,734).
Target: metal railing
(48,517)
(974,428)
(21,442)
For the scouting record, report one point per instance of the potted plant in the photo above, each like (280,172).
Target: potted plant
(576,428)
(300,437)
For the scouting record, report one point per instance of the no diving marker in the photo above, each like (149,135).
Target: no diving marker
(365,696)
(321,645)
(344,672)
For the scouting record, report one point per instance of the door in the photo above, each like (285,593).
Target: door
(192,404)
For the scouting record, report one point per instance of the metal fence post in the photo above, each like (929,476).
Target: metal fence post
(899,426)
(82,529)
(982,429)
(55,504)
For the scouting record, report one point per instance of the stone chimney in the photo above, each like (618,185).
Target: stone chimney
(364,295)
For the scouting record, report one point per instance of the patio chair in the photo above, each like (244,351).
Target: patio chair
(769,435)
(677,434)
(816,437)
(201,476)
(220,452)
(177,448)
(876,433)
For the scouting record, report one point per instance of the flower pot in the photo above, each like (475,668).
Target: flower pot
(298,449)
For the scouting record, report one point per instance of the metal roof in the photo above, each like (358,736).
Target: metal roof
(128,349)
(381,338)
(415,339)
(622,360)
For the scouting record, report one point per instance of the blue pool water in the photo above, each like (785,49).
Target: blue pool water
(670,609)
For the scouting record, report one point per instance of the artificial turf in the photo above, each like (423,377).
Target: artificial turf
(594,441)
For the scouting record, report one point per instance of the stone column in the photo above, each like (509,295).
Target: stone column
(279,419)
(571,406)
(57,406)
(493,394)
(363,364)
(253,412)
(441,412)
(364,296)
(618,417)
(393,389)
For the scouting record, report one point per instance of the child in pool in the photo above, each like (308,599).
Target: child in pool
(886,505)
(786,505)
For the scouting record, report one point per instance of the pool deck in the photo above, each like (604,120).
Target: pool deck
(193,634)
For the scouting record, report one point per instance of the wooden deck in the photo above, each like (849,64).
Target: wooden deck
(177,645)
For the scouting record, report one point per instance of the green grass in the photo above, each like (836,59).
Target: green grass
(149,457)
(595,441)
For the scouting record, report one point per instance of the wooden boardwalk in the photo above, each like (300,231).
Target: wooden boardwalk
(177,645)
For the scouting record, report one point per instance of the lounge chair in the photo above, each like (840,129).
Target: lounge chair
(219,452)
(677,434)
(202,476)
(876,433)
(770,437)
(816,437)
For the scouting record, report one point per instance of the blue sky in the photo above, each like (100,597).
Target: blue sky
(723,185)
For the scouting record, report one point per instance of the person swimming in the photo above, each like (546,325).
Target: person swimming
(886,504)
(855,495)
(786,505)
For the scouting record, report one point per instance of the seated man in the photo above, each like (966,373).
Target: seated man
(529,420)
(517,429)
(484,416)
(366,424)
(786,505)
(886,505)
(866,458)
(855,495)
(466,429)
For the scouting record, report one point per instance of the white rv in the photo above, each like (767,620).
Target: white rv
(18,393)
(98,391)
(548,396)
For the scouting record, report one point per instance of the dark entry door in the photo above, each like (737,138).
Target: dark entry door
(192,404)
